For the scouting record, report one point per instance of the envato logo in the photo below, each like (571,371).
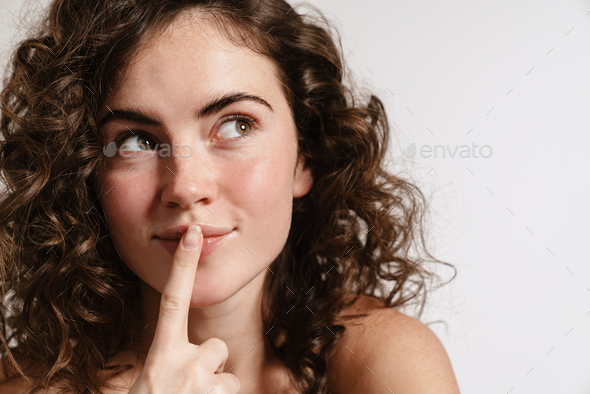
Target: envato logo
(462,151)
(111,150)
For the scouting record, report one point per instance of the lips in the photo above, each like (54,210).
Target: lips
(209,231)
(213,236)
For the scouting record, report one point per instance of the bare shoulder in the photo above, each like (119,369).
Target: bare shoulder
(13,386)
(116,385)
(388,351)
(122,382)
(16,384)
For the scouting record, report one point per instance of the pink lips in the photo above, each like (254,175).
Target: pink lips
(210,244)
(209,230)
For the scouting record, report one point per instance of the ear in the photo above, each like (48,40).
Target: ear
(302,180)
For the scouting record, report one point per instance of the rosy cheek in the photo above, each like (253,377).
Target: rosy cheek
(125,198)
(261,185)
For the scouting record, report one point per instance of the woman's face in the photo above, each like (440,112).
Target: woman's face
(246,185)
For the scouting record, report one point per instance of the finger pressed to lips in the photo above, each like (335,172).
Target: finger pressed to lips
(210,244)
(176,296)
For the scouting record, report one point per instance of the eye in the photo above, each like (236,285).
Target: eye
(143,141)
(239,125)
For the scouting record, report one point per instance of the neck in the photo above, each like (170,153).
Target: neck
(237,321)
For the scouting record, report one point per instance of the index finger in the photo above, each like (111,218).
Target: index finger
(172,324)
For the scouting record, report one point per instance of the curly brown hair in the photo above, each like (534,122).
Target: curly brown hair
(71,304)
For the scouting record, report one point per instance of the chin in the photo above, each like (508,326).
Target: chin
(209,298)
(217,286)
(212,291)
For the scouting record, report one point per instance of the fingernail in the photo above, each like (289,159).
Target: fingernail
(192,237)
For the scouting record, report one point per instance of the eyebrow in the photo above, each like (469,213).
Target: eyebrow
(213,107)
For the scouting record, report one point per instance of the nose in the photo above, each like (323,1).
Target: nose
(187,178)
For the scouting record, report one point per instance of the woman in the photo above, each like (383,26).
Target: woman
(127,123)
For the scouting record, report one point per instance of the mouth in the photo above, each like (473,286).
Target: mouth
(210,244)
(209,231)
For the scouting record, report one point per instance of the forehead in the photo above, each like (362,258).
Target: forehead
(191,58)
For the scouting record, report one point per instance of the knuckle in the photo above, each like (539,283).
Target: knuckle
(224,386)
(218,346)
(171,304)
(149,377)
(236,382)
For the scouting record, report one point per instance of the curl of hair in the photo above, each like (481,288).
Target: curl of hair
(70,301)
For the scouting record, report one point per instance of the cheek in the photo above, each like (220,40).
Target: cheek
(263,185)
(126,199)
(262,193)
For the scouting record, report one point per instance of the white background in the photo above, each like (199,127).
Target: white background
(513,75)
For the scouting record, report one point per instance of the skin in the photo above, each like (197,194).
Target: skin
(247,185)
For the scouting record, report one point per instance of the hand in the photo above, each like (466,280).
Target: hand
(173,364)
